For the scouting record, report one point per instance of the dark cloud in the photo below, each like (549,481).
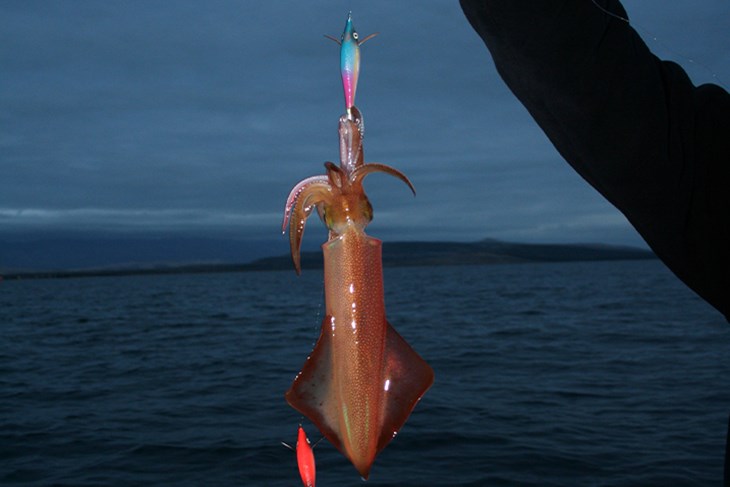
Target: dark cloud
(147,116)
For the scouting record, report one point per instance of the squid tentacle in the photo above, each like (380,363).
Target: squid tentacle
(361,171)
(336,175)
(294,194)
(351,138)
(312,195)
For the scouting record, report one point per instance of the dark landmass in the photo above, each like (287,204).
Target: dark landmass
(395,254)
(42,251)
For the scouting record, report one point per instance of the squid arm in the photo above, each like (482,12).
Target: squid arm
(295,193)
(351,132)
(308,194)
(371,167)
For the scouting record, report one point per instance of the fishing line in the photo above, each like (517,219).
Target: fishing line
(609,13)
(661,44)
(318,320)
(319,317)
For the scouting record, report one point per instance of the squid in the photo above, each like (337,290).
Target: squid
(362,379)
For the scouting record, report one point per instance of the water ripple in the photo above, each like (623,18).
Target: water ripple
(570,374)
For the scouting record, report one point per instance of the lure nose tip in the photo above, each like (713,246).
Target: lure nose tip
(348,24)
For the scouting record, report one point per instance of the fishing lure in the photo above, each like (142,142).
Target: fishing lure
(305,458)
(350,43)
(362,380)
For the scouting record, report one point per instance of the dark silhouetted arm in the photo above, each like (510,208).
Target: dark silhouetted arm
(633,126)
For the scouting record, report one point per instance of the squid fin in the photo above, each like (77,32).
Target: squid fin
(310,391)
(405,378)
(409,378)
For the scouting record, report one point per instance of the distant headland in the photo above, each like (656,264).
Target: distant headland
(395,254)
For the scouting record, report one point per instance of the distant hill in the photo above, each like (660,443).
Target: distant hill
(488,251)
(395,254)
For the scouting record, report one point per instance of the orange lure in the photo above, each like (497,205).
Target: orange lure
(305,458)
(362,380)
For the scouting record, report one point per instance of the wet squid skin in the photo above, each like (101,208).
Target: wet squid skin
(362,380)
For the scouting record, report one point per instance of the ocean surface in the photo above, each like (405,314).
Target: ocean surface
(592,373)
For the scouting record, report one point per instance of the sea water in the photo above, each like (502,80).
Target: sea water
(592,373)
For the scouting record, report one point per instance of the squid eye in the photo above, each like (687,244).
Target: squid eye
(327,219)
(354,35)
(369,211)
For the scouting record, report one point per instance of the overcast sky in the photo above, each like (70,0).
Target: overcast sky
(197,118)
